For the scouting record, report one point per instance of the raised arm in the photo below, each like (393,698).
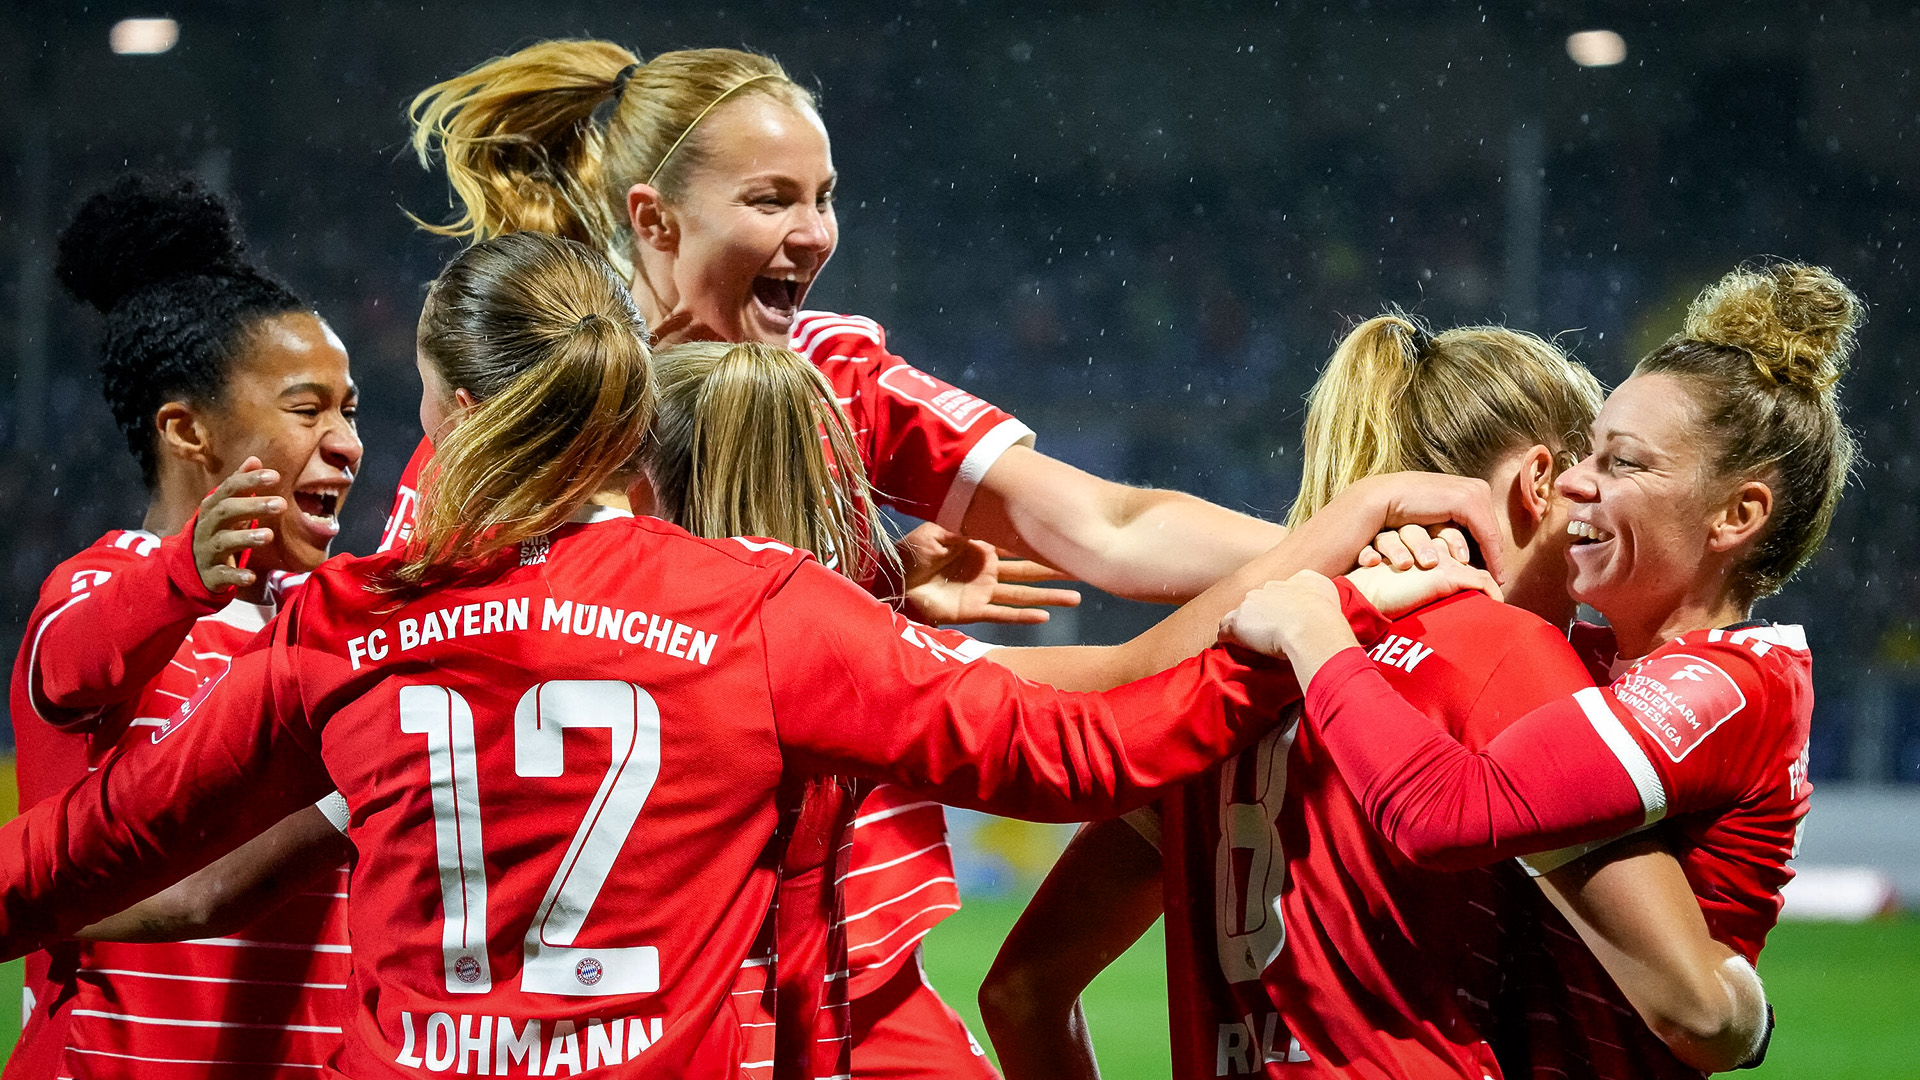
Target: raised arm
(859,690)
(1098,899)
(1140,543)
(1633,906)
(1326,543)
(237,759)
(122,611)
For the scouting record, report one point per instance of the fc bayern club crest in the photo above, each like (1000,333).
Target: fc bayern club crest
(588,971)
(467,969)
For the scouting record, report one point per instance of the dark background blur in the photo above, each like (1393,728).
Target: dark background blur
(1140,231)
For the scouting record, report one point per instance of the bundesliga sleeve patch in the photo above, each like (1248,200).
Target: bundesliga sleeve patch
(1679,698)
(957,407)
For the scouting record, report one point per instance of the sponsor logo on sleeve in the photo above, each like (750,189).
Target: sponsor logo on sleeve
(185,712)
(1679,699)
(958,408)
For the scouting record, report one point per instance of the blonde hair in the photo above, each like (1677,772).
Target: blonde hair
(526,151)
(1396,396)
(748,441)
(1761,354)
(547,338)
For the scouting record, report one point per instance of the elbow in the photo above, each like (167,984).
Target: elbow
(1430,850)
(1717,1025)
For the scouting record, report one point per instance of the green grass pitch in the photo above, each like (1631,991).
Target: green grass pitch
(1847,997)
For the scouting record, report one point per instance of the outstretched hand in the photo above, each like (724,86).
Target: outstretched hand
(953,579)
(1298,619)
(225,528)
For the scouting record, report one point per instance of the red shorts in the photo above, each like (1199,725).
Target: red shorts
(903,1031)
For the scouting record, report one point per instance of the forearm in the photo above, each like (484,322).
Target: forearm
(1098,900)
(1189,630)
(1632,905)
(1170,547)
(154,813)
(236,889)
(100,646)
(1546,782)
(1140,543)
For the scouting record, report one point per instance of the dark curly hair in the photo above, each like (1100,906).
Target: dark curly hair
(163,259)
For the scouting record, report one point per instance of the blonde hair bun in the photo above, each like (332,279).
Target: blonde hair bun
(1796,321)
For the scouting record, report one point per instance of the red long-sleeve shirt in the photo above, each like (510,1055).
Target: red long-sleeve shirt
(1708,733)
(563,781)
(123,634)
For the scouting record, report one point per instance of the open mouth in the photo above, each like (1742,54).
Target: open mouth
(321,509)
(1584,532)
(780,296)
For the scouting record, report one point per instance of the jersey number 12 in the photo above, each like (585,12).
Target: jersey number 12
(553,963)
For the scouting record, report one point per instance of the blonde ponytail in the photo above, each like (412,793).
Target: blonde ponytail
(1396,396)
(521,149)
(748,441)
(1353,428)
(546,337)
(524,150)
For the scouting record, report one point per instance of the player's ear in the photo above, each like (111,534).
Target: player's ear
(1742,518)
(652,223)
(1533,489)
(182,434)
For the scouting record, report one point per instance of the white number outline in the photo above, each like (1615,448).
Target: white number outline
(1250,930)
(552,963)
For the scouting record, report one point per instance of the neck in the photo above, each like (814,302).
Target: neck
(1702,610)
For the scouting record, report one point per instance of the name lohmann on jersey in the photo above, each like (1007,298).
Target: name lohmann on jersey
(655,633)
(464,1043)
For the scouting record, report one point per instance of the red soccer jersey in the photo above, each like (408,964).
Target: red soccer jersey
(925,445)
(1580,1024)
(1300,943)
(1707,734)
(122,635)
(563,782)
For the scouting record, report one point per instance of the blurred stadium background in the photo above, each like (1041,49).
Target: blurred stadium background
(1140,231)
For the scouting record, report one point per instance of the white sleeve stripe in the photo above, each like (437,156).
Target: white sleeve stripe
(1646,779)
(973,469)
(973,648)
(812,329)
(33,656)
(334,807)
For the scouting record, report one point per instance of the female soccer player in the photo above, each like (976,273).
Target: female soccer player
(1298,943)
(1715,472)
(456,695)
(222,380)
(707,176)
(736,449)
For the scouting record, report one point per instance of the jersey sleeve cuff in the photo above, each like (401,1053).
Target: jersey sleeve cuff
(973,468)
(334,808)
(176,554)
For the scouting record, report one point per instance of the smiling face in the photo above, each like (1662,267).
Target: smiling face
(1644,504)
(290,401)
(732,257)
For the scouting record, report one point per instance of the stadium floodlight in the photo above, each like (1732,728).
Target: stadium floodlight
(1596,48)
(143,37)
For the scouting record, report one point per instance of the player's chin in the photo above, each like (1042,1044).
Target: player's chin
(305,542)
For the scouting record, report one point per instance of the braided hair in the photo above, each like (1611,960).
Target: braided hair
(162,257)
